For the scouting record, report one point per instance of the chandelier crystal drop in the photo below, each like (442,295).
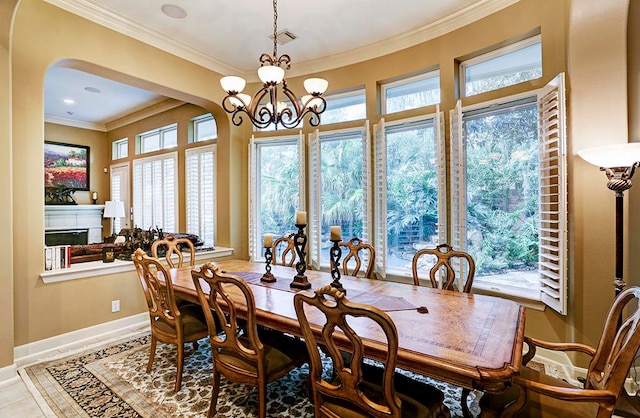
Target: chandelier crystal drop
(266,107)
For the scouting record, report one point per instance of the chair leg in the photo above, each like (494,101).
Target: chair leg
(180,364)
(262,401)
(152,352)
(215,388)
(466,413)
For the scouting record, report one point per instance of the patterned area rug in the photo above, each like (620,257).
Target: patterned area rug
(111,381)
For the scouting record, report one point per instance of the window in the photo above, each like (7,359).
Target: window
(155,189)
(339,170)
(509,189)
(203,128)
(411,93)
(120,149)
(200,165)
(163,138)
(276,188)
(503,67)
(345,107)
(410,186)
(120,191)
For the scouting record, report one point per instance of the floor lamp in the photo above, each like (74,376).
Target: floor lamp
(113,209)
(619,162)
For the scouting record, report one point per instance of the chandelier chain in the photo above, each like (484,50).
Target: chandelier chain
(275,29)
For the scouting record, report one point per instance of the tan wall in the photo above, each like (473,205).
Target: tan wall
(633,87)
(594,59)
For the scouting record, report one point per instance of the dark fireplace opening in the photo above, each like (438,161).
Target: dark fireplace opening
(67,237)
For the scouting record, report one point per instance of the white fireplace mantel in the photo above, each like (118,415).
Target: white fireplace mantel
(75,217)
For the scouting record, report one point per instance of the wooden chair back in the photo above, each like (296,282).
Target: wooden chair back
(230,299)
(174,247)
(338,312)
(451,261)
(284,251)
(359,254)
(160,297)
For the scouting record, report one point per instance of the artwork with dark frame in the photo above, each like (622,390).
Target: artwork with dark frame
(66,166)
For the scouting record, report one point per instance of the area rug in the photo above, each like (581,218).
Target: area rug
(111,381)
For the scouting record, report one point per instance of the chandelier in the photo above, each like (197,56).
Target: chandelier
(265,107)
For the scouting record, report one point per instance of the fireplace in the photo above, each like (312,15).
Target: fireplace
(72,224)
(68,237)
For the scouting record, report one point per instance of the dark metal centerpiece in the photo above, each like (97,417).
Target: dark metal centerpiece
(300,243)
(335,253)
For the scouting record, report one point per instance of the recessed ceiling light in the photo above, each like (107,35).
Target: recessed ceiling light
(174,11)
(92,90)
(68,101)
(70,113)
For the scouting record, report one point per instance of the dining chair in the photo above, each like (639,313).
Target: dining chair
(170,324)
(359,253)
(174,247)
(451,261)
(238,351)
(284,251)
(535,394)
(349,393)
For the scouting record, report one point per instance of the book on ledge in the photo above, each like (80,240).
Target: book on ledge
(57,257)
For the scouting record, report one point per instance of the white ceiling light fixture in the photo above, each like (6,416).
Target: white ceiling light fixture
(173,11)
(272,110)
(68,101)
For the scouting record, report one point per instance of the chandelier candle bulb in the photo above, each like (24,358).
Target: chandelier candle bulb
(336,233)
(268,240)
(301,218)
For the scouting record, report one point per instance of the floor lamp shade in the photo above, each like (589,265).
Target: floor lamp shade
(113,209)
(619,162)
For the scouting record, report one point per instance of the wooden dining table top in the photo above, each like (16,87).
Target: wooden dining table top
(473,341)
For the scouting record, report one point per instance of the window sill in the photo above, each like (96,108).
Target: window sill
(526,298)
(98,268)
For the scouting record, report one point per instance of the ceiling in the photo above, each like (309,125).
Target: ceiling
(229,36)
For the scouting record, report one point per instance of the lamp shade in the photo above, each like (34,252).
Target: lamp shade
(241,100)
(113,209)
(609,156)
(232,83)
(316,85)
(271,74)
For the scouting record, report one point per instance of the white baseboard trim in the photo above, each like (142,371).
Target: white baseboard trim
(70,341)
(8,374)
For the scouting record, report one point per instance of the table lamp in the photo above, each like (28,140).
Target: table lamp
(113,209)
(619,163)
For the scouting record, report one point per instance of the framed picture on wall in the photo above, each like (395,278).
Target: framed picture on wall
(66,165)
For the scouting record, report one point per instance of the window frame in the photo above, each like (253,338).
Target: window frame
(496,53)
(353,93)
(384,87)
(161,132)
(193,128)
(116,146)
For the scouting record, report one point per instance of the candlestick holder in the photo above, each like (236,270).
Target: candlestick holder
(268,277)
(335,253)
(300,243)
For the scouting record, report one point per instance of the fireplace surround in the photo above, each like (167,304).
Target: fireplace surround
(73,223)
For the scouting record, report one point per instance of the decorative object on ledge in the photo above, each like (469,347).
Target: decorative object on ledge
(66,165)
(60,195)
(108,254)
(619,163)
(300,242)
(264,108)
(113,209)
(94,197)
(335,252)
(268,277)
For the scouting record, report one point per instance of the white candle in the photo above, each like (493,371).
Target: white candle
(336,233)
(301,218)
(268,240)
(95,196)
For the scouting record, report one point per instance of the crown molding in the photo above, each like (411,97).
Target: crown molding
(90,11)
(403,41)
(135,116)
(75,123)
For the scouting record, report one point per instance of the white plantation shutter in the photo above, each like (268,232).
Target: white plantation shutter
(200,192)
(552,264)
(367,200)
(380,239)
(155,192)
(254,254)
(119,180)
(458,180)
(302,156)
(442,175)
(315,199)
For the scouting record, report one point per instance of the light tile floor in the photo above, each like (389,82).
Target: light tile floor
(17,402)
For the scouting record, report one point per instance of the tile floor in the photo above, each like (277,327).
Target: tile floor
(17,402)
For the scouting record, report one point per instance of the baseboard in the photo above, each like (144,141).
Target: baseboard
(8,374)
(64,343)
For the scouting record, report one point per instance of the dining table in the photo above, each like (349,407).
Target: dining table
(469,340)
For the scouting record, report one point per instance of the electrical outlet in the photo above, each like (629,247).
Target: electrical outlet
(115,306)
